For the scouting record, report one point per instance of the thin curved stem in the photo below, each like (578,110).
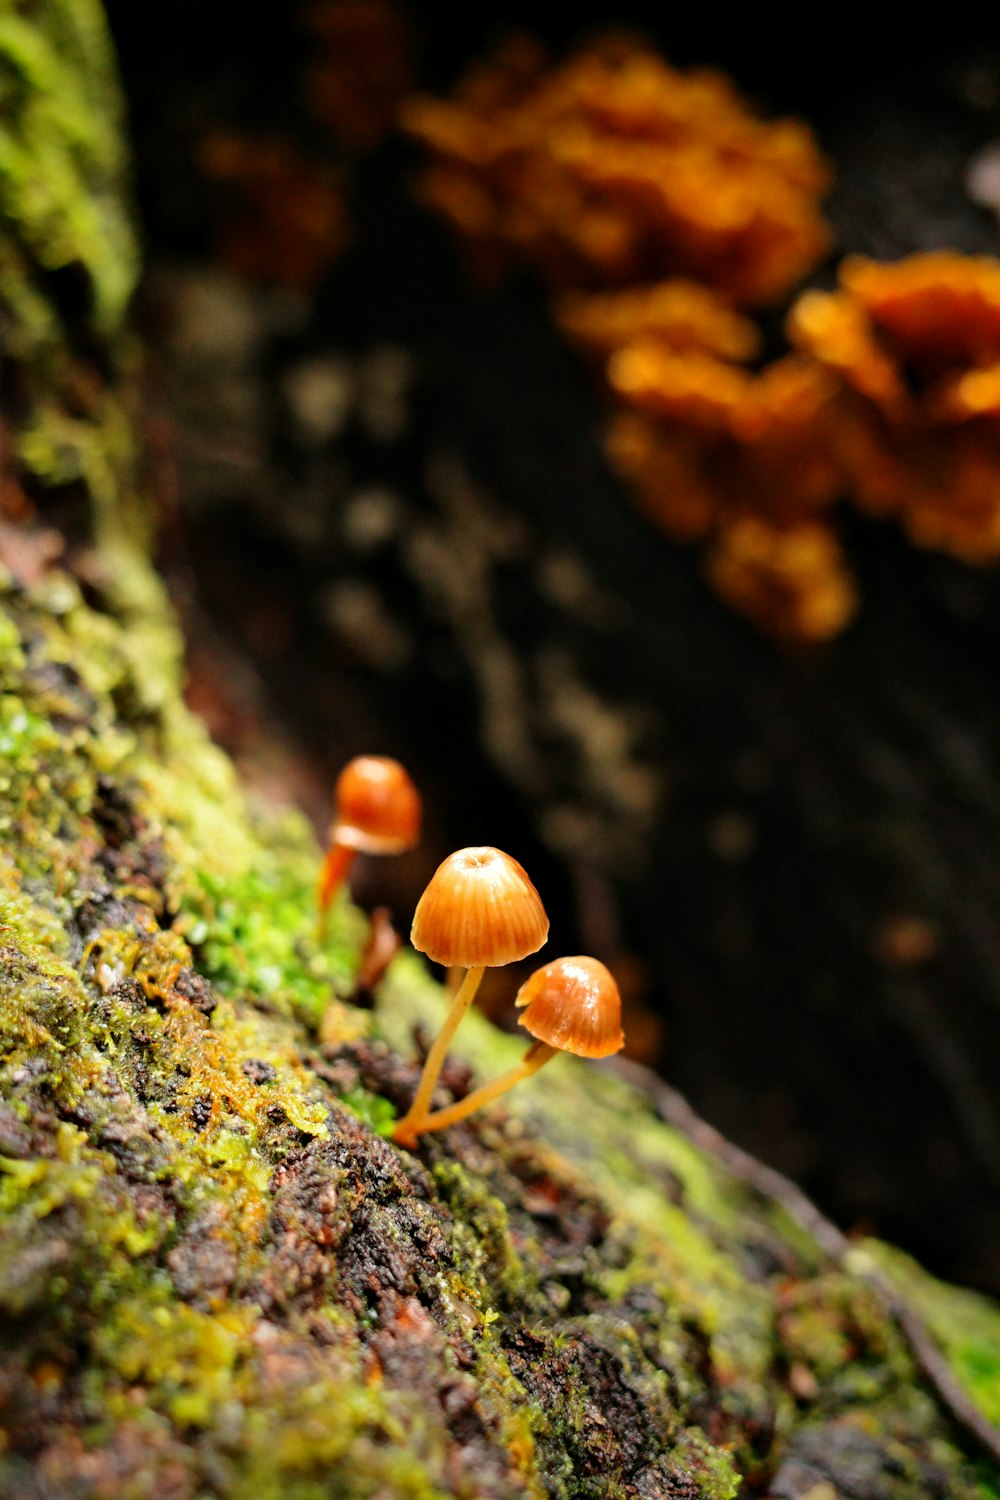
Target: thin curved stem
(536,1057)
(331,877)
(407,1130)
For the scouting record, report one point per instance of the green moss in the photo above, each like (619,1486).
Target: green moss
(71,1236)
(333,1436)
(185,1359)
(636,1165)
(68,261)
(255,936)
(966,1326)
(61,152)
(483,1236)
(375,1111)
(665,1296)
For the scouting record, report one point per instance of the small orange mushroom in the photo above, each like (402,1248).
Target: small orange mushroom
(479,911)
(377,810)
(570,1005)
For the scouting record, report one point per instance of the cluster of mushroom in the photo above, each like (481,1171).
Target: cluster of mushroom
(660,206)
(613,168)
(890,400)
(914,350)
(661,209)
(742,460)
(479,910)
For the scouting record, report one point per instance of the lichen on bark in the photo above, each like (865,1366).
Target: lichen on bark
(217,1277)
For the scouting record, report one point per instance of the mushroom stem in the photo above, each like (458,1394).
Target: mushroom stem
(536,1057)
(338,861)
(409,1126)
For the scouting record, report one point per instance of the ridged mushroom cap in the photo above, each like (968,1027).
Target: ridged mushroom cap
(573,1004)
(479,908)
(377,809)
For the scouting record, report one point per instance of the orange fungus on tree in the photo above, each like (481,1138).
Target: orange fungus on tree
(915,348)
(661,209)
(612,168)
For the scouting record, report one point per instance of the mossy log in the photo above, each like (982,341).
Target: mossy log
(217,1277)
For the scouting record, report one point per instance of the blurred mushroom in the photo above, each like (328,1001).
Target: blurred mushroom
(377,810)
(381,947)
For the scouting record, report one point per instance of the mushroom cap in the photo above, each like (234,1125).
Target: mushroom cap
(479,908)
(377,809)
(573,1004)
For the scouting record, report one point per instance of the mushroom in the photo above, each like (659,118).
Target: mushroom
(479,911)
(570,1005)
(377,810)
(381,946)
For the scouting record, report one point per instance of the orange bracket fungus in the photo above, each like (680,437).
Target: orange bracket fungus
(377,810)
(612,168)
(661,209)
(570,1005)
(479,911)
(915,347)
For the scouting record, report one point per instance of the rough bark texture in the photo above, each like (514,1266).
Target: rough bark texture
(216,1276)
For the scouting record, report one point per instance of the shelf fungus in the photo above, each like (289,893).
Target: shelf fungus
(661,209)
(746,461)
(792,582)
(377,810)
(479,911)
(915,348)
(569,1005)
(676,314)
(612,168)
